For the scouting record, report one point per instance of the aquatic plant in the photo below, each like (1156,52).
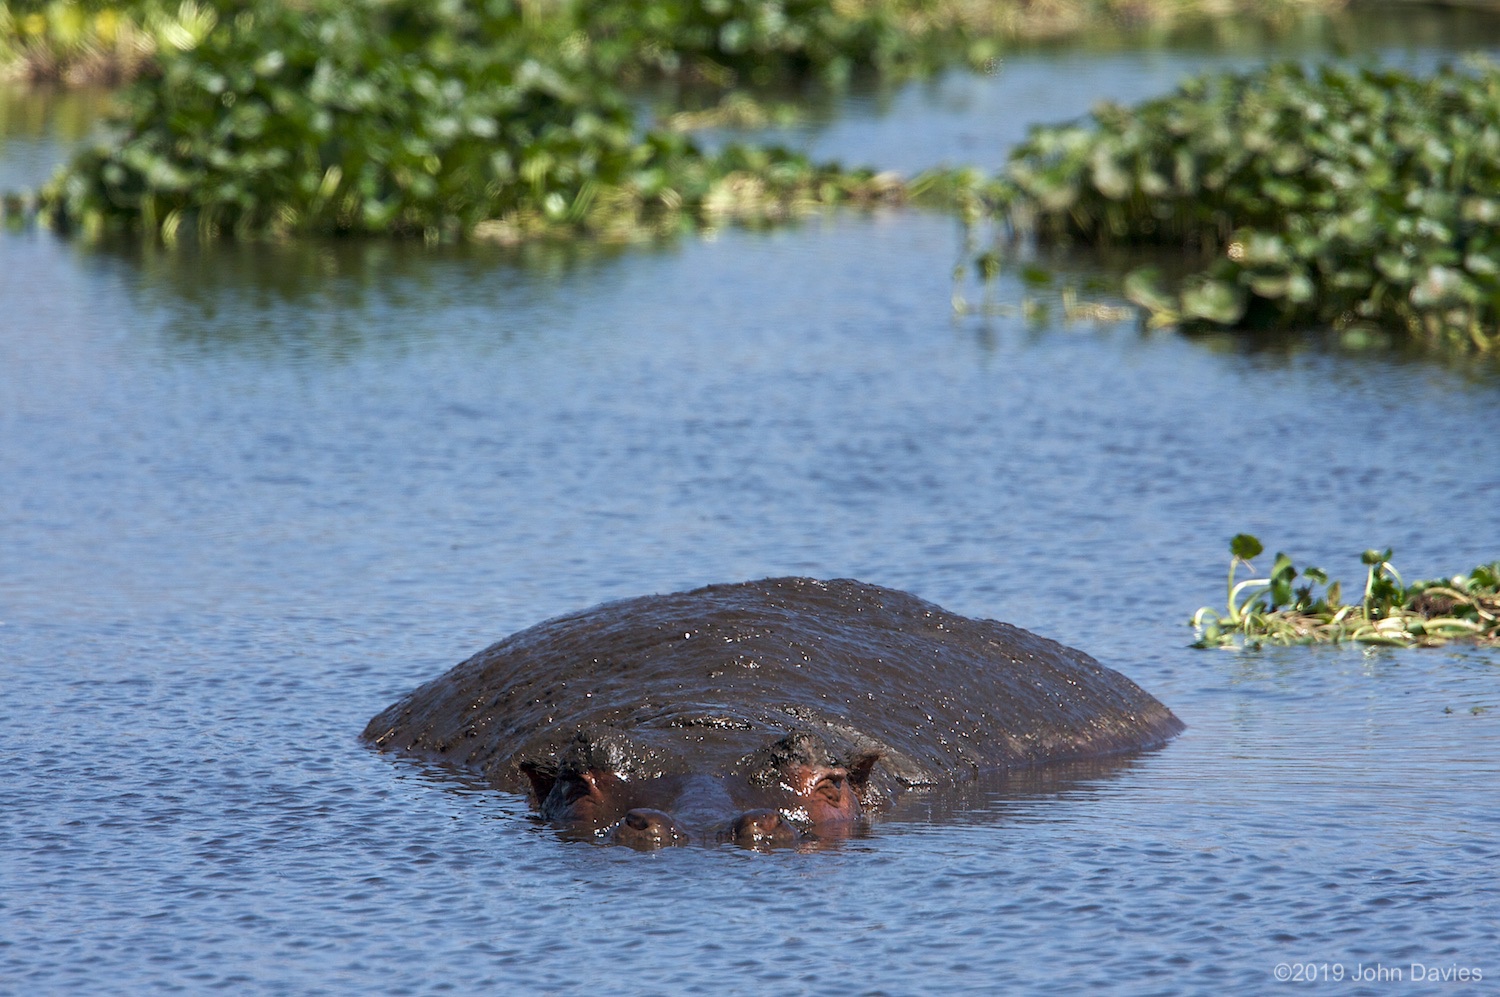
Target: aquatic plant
(346,117)
(1271,610)
(1357,199)
(724,42)
(405,117)
(752,41)
(91,41)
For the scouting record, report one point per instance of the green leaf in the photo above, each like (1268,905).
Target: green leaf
(1441,286)
(1142,287)
(1282,574)
(1244,546)
(1035,276)
(1213,301)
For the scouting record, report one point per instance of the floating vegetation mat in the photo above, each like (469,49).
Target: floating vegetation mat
(1364,200)
(405,117)
(1273,610)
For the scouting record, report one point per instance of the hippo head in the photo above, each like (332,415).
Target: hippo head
(795,789)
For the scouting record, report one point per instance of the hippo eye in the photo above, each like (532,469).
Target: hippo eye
(571,790)
(831,788)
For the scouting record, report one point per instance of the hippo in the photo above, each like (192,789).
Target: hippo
(763,713)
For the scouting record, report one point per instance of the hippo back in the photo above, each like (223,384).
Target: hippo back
(698,679)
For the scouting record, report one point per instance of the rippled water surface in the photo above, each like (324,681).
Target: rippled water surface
(250,496)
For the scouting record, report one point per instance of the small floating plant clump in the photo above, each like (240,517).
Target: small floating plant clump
(1362,200)
(1272,610)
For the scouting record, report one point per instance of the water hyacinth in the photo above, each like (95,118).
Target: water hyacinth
(342,117)
(1351,198)
(401,117)
(1274,610)
(756,41)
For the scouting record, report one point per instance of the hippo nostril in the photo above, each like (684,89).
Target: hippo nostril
(762,827)
(648,829)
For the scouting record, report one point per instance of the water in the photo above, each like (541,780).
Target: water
(250,496)
(954,120)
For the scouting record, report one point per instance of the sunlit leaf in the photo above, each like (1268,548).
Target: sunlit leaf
(1213,301)
(1245,547)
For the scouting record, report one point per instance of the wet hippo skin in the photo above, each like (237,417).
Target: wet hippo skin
(762,712)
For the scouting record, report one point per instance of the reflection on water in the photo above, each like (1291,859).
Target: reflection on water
(996,798)
(250,496)
(37,127)
(282,300)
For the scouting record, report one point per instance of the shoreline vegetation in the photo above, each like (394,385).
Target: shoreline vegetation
(1361,201)
(108,42)
(1271,610)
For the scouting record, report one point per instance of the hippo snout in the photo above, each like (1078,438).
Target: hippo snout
(645,829)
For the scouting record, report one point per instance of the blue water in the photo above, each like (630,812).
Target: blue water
(249,496)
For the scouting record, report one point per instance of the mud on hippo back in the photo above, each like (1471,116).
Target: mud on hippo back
(762,711)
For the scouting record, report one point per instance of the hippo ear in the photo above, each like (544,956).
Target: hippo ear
(542,778)
(860,767)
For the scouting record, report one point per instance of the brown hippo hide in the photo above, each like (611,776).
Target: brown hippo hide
(658,718)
